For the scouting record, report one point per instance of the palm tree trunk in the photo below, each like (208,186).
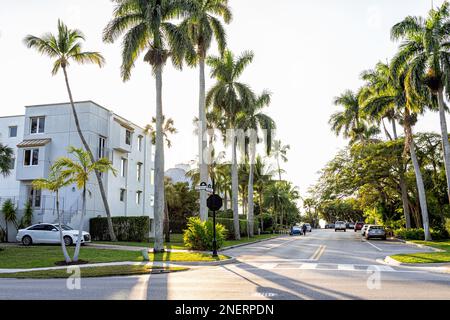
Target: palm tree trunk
(235,191)
(404,191)
(61,238)
(419,179)
(80,229)
(445,142)
(251,205)
(202,144)
(159,166)
(394,128)
(279,168)
(166,222)
(112,235)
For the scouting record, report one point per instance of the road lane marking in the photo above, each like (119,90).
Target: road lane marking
(268,266)
(346,267)
(308,266)
(319,252)
(383,268)
(374,246)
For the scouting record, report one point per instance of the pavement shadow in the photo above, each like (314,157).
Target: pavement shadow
(304,290)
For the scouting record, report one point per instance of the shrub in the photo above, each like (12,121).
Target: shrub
(126,228)
(229,225)
(27,218)
(199,234)
(418,234)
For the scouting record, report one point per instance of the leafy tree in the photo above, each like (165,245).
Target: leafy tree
(66,47)
(147,28)
(77,171)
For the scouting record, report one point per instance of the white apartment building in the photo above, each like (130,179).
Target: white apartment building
(43,135)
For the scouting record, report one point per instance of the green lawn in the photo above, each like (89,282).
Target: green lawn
(246,240)
(427,257)
(177,241)
(108,271)
(20,257)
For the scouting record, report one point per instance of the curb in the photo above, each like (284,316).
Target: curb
(420,245)
(439,267)
(248,243)
(206,264)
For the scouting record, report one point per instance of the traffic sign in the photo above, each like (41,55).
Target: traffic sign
(214,202)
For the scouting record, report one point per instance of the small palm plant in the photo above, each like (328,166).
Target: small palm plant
(54,183)
(78,171)
(9,214)
(66,47)
(6,155)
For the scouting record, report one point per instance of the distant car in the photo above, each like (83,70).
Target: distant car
(49,233)
(350,225)
(329,226)
(358,226)
(308,227)
(375,232)
(340,225)
(296,230)
(364,229)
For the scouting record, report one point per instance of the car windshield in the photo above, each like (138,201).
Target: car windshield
(64,227)
(296,228)
(376,227)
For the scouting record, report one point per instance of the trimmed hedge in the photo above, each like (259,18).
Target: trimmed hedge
(419,234)
(135,229)
(228,223)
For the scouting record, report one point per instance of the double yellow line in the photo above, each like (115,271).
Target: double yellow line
(319,252)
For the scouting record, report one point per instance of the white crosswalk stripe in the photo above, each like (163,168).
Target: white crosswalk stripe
(346,267)
(308,266)
(321,267)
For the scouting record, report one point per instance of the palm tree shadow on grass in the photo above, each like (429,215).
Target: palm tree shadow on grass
(304,289)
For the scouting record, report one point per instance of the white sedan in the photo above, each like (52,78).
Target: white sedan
(49,234)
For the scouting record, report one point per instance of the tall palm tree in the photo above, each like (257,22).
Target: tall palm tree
(394,98)
(147,28)
(280,151)
(425,51)
(253,121)
(202,25)
(228,97)
(77,171)
(54,183)
(6,156)
(66,47)
(380,99)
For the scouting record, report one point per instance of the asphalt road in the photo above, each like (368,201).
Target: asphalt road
(323,265)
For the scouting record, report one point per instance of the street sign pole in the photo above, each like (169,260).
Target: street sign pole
(214,223)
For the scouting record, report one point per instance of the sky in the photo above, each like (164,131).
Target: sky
(306,53)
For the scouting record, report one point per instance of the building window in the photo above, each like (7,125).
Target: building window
(13,131)
(139,171)
(122,195)
(139,143)
(37,125)
(123,167)
(128,137)
(35,198)
(31,157)
(138,197)
(101,147)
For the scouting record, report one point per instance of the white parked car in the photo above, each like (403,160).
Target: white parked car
(340,225)
(308,227)
(49,233)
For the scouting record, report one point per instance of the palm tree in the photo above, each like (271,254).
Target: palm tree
(393,97)
(54,183)
(425,53)
(202,25)
(380,100)
(147,29)
(252,121)
(168,128)
(228,97)
(77,171)
(6,156)
(280,151)
(9,214)
(279,196)
(66,47)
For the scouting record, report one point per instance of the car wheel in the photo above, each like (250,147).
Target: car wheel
(27,241)
(345,230)
(68,241)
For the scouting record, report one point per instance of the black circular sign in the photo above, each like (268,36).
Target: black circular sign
(214,202)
